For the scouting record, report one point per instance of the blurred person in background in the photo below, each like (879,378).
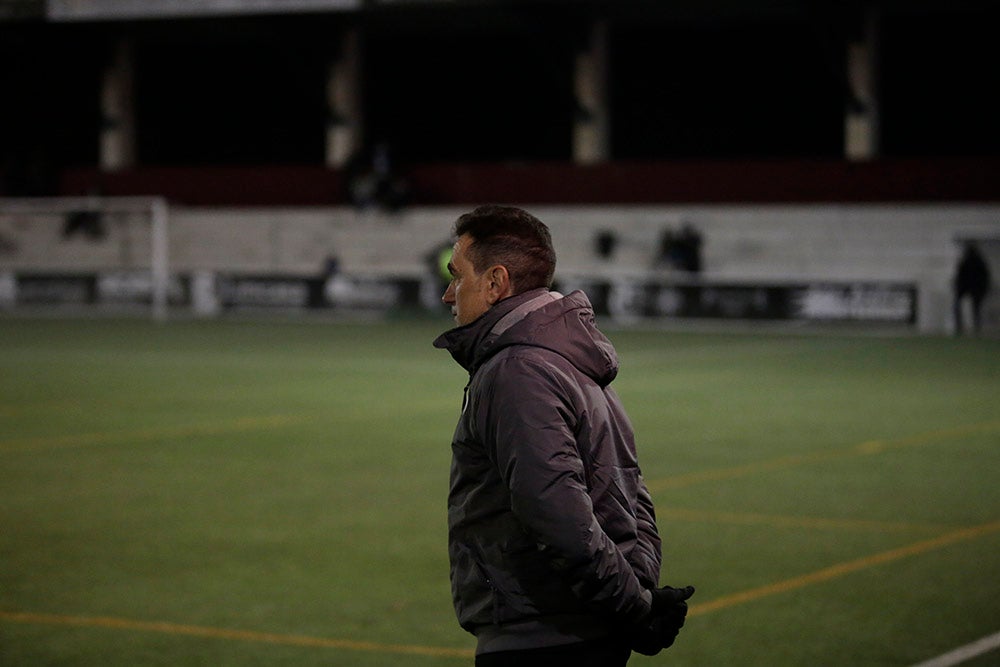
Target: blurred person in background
(372,180)
(972,283)
(555,554)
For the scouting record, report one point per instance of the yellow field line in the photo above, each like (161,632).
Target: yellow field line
(774,520)
(718,474)
(113,437)
(724,602)
(238,635)
(866,448)
(845,568)
(875,446)
(697,609)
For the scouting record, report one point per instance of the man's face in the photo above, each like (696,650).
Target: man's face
(468,292)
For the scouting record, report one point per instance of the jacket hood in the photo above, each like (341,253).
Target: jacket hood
(539,318)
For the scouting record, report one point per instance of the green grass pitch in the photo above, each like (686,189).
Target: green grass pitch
(272,492)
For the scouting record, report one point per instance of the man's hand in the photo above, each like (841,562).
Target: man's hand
(664,622)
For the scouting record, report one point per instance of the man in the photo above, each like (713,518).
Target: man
(555,556)
(972,281)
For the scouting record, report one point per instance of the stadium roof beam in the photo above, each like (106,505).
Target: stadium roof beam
(591,143)
(110,10)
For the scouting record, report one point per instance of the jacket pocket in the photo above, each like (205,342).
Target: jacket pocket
(504,582)
(526,584)
(472,588)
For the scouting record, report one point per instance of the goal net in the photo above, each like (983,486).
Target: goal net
(105,251)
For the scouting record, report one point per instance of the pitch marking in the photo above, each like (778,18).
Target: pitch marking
(724,602)
(866,448)
(239,635)
(109,438)
(848,567)
(963,653)
(779,521)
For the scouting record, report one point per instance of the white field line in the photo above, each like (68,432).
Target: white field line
(963,653)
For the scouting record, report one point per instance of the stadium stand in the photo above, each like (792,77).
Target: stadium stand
(808,143)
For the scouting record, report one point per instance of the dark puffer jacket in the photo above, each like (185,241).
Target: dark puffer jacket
(552,536)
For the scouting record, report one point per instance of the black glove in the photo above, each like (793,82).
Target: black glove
(664,622)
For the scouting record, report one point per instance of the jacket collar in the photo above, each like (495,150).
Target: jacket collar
(469,343)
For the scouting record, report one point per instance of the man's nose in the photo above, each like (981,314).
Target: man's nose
(449,295)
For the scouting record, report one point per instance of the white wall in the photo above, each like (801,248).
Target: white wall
(776,243)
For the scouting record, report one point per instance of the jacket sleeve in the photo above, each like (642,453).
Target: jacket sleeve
(647,555)
(529,422)
(648,537)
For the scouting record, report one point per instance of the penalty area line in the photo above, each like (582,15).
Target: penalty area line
(845,568)
(964,653)
(178,629)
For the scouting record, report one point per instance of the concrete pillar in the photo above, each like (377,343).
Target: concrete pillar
(343,92)
(591,142)
(861,121)
(117,140)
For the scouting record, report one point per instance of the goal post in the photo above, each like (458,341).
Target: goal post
(33,232)
(160,257)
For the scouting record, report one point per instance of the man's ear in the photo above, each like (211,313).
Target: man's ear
(499,285)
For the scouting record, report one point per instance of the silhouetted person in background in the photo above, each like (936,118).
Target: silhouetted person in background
(372,180)
(681,250)
(972,280)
